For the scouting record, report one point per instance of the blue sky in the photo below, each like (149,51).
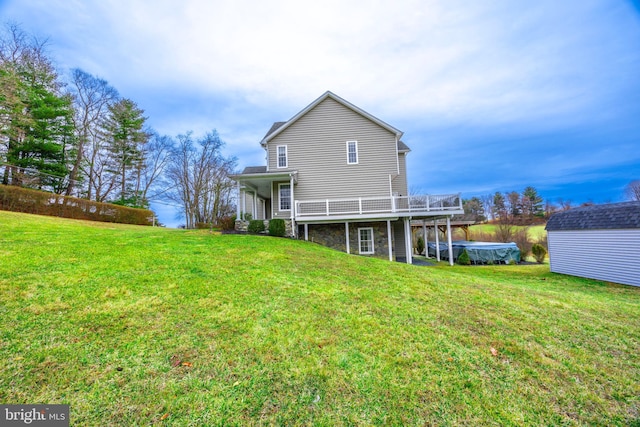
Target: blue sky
(492,95)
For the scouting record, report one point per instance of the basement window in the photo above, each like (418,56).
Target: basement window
(365,241)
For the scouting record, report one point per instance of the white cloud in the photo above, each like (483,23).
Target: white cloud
(494,61)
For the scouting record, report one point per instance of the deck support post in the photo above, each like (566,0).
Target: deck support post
(449,241)
(425,238)
(407,240)
(435,227)
(389,241)
(306,232)
(346,234)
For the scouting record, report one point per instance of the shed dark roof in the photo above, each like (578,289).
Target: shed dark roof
(254,169)
(609,216)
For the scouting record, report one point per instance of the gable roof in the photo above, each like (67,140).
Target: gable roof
(278,127)
(610,216)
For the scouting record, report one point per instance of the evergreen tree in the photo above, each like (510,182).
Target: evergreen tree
(532,203)
(37,131)
(125,137)
(499,206)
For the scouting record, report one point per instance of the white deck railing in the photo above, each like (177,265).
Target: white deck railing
(403,206)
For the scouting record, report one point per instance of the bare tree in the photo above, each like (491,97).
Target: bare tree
(156,155)
(632,190)
(487,204)
(91,96)
(564,205)
(199,175)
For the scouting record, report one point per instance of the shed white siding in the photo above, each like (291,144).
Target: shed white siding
(609,255)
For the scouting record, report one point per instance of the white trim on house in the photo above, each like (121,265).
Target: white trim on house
(281,199)
(278,157)
(329,94)
(368,250)
(353,153)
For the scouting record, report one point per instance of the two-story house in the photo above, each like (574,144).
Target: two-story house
(338,176)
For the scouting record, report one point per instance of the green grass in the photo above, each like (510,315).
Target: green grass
(536,232)
(140,326)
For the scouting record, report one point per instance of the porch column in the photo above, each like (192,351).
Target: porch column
(238,204)
(255,206)
(424,237)
(407,240)
(435,227)
(389,240)
(346,234)
(449,241)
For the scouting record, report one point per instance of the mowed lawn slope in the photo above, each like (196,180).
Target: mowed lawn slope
(138,326)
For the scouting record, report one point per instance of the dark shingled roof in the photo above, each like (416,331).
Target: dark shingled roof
(274,128)
(403,147)
(610,216)
(254,169)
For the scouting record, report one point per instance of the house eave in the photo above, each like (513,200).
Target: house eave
(329,94)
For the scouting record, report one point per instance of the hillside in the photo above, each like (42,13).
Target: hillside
(137,325)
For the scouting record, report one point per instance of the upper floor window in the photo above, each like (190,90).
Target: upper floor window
(352,152)
(282,156)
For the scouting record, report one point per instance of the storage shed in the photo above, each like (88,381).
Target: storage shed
(598,242)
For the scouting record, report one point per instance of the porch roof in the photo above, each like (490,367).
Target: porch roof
(257,178)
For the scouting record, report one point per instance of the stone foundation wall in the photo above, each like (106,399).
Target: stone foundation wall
(242,225)
(333,236)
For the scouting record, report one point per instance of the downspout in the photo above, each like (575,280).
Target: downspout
(293,207)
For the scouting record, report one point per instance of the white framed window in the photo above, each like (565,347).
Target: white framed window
(283,160)
(365,241)
(352,152)
(284,192)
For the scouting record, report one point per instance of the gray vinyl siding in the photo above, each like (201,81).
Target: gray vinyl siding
(316,148)
(247,206)
(609,255)
(399,184)
(277,213)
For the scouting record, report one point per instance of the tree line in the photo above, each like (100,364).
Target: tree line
(525,208)
(513,207)
(76,135)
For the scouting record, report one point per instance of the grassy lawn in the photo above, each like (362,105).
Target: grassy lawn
(536,232)
(138,326)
